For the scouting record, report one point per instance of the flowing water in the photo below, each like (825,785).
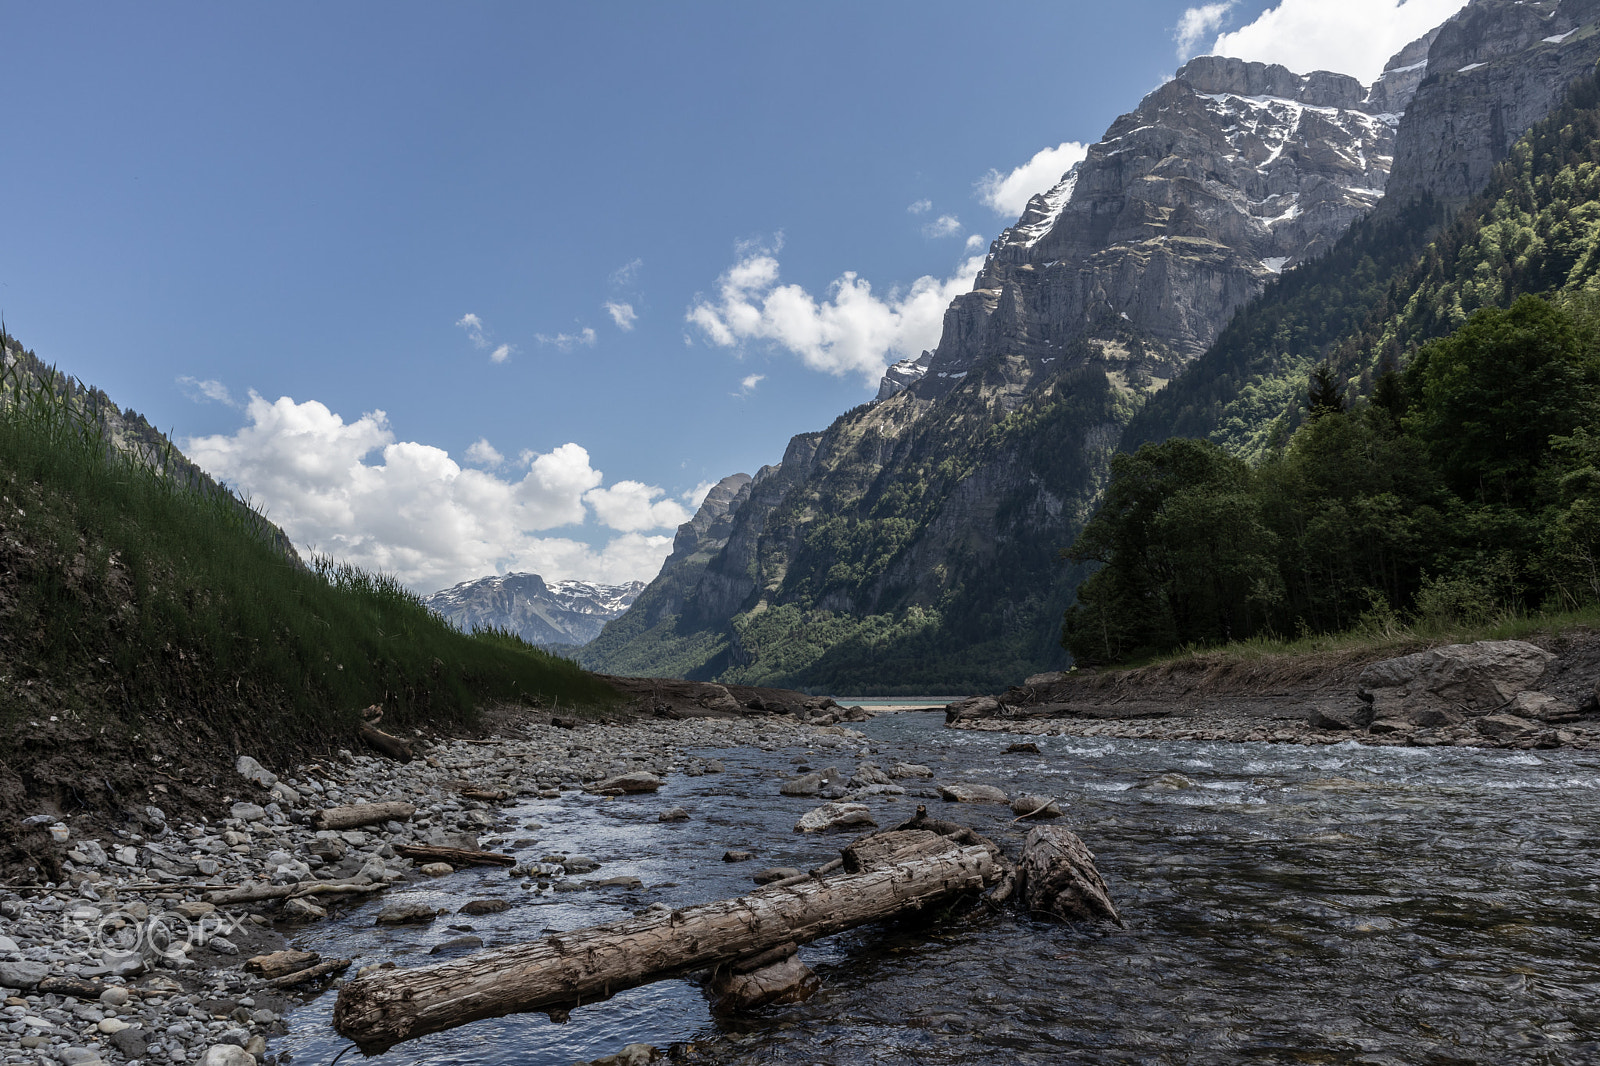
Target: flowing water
(1284,904)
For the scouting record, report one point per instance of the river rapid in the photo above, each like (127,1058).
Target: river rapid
(1284,904)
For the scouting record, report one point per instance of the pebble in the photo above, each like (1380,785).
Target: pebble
(263,836)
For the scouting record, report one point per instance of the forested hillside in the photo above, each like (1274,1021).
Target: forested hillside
(1436,452)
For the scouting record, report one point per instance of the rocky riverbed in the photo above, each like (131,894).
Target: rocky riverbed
(138,955)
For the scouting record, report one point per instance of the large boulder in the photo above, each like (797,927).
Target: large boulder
(622,784)
(1340,715)
(1543,708)
(1445,686)
(973,707)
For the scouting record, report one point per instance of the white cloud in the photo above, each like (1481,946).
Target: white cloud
(1353,37)
(943,226)
(474,327)
(696,496)
(501,354)
(920,207)
(1197,24)
(568,341)
(751,381)
(484,454)
(625,274)
(1009,193)
(353,490)
(976,242)
(210,390)
(851,331)
(631,507)
(622,314)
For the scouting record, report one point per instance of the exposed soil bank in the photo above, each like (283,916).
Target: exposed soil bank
(1271,698)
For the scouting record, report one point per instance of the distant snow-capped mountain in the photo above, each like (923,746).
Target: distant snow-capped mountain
(565,612)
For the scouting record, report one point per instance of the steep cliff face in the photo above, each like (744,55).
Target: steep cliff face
(1492,72)
(913,543)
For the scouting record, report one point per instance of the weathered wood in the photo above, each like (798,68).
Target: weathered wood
(586,965)
(1059,878)
(294,890)
(277,963)
(310,973)
(361,814)
(386,744)
(780,979)
(454,856)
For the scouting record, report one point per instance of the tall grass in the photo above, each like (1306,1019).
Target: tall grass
(143,593)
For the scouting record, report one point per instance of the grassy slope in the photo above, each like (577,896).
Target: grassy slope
(150,631)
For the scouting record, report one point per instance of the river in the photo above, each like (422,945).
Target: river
(1284,903)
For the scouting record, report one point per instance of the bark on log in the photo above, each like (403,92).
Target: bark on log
(362,814)
(392,746)
(587,965)
(310,973)
(278,963)
(1059,878)
(453,856)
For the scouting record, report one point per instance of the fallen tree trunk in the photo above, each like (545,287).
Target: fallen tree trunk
(362,814)
(392,746)
(453,856)
(295,890)
(564,971)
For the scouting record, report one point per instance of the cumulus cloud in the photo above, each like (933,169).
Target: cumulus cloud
(1198,24)
(501,354)
(474,327)
(484,454)
(976,242)
(210,390)
(696,496)
(1353,37)
(632,506)
(622,314)
(353,490)
(920,207)
(1009,193)
(943,226)
(751,381)
(568,341)
(852,330)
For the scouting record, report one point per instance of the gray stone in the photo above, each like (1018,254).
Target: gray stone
(774,873)
(1503,726)
(735,855)
(1340,715)
(832,816)
(23,975)
(962,793)
(673,814)
(1442,686)
(405,913)
(1543,708)
(909,769)
(227,1055)
(624,784)
(254,771)
(812,783)
(133,1043)
(248,812)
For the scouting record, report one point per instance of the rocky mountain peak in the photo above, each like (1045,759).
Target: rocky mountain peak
(562,613)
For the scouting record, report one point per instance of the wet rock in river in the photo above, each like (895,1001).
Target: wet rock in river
(812,783)
(484,906)
(972,794)
(834,816)
(774,873)
(460,943)
(436,869)
(735,855)
(673,814)
(910,769)
(1024,747)
(406,913)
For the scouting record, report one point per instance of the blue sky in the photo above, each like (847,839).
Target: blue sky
(262,225)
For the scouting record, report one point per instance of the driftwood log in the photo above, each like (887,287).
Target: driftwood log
(378,740)
(453,856)
(561,972)
(362,814)
(295,890)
